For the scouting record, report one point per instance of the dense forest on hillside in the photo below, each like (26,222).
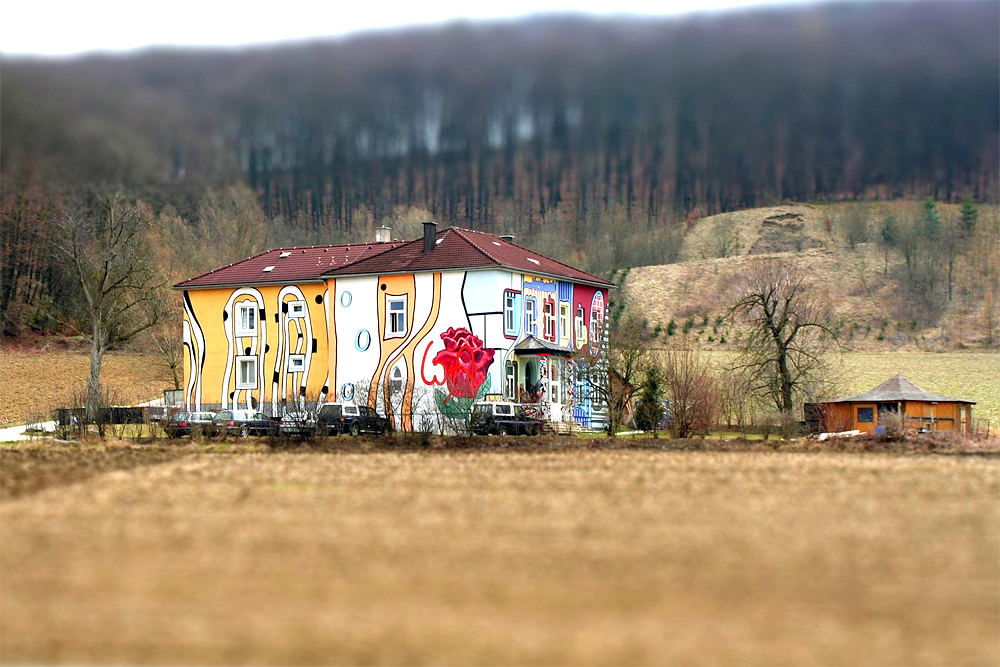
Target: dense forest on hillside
(585,137)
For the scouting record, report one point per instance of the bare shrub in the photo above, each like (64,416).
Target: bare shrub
(893,423)
(736,407)
(853,223)
(692,391)
(788,425)
(766,422)
(838,422)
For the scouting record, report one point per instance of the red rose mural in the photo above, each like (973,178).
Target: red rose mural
(466,364)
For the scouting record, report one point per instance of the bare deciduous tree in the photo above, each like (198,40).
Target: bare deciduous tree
(615,372)
(104,243)
(170,346)
(693,397)
(783,353)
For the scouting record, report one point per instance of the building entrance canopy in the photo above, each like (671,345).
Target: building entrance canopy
(541,347)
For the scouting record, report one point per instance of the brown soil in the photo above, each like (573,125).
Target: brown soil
(473,557)
(36,382)
(29,469)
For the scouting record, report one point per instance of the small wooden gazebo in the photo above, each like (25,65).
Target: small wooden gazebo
(919,409)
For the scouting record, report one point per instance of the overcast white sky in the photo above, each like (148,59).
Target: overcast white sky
(60,27)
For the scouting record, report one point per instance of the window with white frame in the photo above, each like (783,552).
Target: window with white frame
(510,313)
(296,309)
(296,363)
(246,372)
(563,320)
(510,383)
(395,322)
(396,383)
(529,317)
(246,319)
(581,330)
(596,319)
(549,319)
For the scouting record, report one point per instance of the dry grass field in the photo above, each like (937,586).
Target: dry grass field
(971,375)
(484,557)
(36,382)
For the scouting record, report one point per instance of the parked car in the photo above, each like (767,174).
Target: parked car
(297,424)
(243,423)
(501,418)
(186,423)
(336,418)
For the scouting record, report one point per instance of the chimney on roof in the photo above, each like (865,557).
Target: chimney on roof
(383,234)
(509,238)
(430,232)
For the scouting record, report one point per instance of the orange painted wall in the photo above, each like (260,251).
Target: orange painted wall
(841,416)
(207,306)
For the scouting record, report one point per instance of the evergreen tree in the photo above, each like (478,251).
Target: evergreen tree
(649,410)
(969,217)
(932,226)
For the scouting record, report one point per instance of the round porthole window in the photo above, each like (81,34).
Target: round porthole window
(347,391)
(363,340)
(345,299)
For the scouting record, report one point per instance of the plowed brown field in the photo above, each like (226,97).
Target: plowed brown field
(512,557)
(35,383)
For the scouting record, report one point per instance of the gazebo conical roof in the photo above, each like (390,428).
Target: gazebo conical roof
(898,388)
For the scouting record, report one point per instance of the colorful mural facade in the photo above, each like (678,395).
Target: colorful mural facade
(407,344)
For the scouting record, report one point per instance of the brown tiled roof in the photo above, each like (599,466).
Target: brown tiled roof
(898,388)
(457,248)
(300,265)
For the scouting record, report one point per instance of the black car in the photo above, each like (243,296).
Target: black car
(499,418)
(336,418)
(243,423)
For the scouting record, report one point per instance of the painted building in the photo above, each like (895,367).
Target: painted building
(412,328)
